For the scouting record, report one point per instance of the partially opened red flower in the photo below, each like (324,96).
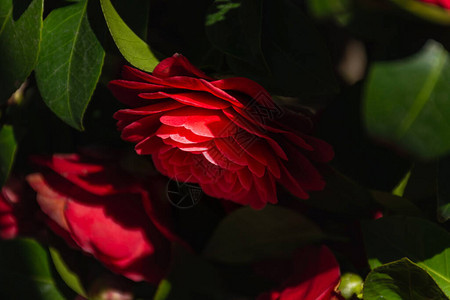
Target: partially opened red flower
(98,207)
(226,135)
(312,274)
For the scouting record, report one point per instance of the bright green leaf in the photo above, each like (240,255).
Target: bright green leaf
(423,242)
(25,271)
(19,45)
(8,149)
(69,277)
(69,64)
(401,280)
(135,50)
(406,102)
(248,235)
(399,190)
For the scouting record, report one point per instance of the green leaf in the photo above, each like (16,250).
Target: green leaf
(69,64)
(133,49)
(329,8)
(248,235)
(25,271)
(19,45)
(163,290)
(274,43)
(191,277)
(443,189)
(8,149)
(399,190)
(343,196)
(426,11)
(396,204)
(69,277)
(423,242)
(406,102)
(401,280)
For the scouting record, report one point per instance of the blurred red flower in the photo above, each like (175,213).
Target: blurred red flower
(312,274)
(225,135)
(442,3)
(99,208)
(17,210)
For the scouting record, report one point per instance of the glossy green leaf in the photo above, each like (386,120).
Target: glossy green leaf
(133,49)
(69,64)
(25,271)
(423,242)
(248,235)
(401,280)
(443,189)
(8,149)
(19,45)
(406,102)
(274,43)
(70,278)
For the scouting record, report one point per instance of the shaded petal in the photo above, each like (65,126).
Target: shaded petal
(177,65)
(197,99)
(141,129)
(150,145)
(128,92)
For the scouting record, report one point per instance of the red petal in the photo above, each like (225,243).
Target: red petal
(238,120)
(197,99)
(148,110)
(180,134)
(177,65)
(291,184)
(246,86)
(128,92)
(317,274)
(266,188)
(303,171)
(197,147)
(141,129)
(51,203)
(231,150)
(323,152)
(149,145)
(202,122)
(120,236)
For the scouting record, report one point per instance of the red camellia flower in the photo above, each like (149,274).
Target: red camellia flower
(442,3)
(97,207)
(225,135)
(312,274)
